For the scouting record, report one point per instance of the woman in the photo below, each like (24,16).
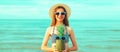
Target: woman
(59,14)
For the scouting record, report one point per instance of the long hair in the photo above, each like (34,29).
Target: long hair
(65,20)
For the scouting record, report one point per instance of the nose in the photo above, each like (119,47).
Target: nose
(59,15)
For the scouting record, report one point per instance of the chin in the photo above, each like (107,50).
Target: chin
(60,20)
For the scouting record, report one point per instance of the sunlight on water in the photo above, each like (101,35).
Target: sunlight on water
(25,35)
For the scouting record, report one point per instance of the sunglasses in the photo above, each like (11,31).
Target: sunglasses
(58,13)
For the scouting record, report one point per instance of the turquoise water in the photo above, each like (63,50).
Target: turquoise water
(26,35)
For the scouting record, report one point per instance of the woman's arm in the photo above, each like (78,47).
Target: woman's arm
(45,41)
(72,37)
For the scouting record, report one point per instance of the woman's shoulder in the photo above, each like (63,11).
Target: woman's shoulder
(49,28)
(69,28)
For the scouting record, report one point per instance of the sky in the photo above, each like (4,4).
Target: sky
(80,9)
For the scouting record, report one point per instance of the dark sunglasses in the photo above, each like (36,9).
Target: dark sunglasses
(58,13)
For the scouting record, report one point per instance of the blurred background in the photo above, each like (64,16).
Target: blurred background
(96,24)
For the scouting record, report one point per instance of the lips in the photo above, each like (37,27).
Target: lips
(59,17)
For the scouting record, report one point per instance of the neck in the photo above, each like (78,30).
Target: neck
(59,23)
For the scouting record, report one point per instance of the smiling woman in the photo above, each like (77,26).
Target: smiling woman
(59,31)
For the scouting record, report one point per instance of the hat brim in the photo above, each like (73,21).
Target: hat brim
(51,10)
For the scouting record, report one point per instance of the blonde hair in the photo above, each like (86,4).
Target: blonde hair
(65,21)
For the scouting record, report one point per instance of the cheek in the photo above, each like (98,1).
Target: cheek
(55,16)
(63,16)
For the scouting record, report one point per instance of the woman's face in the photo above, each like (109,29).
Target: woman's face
(60,14)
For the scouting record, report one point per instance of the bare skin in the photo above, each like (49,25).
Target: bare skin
(59,19)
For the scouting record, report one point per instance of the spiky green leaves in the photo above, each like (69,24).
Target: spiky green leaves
(60,29)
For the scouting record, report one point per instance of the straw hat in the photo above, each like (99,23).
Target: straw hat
(51,10)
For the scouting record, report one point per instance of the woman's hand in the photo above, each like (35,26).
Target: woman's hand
(66,48)
(51,50)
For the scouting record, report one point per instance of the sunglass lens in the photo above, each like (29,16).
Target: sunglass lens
(63,38)
(57,38)
(57,13)
(63,13)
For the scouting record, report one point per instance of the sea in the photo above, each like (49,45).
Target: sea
(26,35)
